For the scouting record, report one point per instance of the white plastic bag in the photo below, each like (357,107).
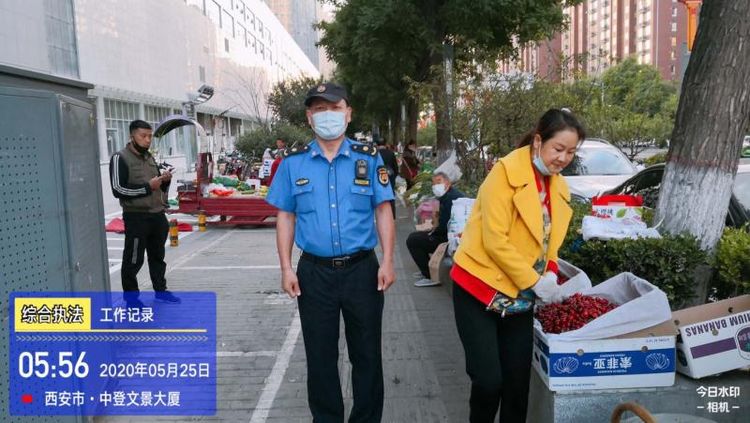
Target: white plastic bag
(450,168)
(605,229)
(577,281)
(460,212)
(640,305)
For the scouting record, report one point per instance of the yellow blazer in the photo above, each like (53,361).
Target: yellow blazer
(503,237)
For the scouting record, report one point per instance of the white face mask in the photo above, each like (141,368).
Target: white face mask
(539,164)
(438,190)
(329,125)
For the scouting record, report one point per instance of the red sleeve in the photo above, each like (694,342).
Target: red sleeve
(274,167)
(473,285)
(552,267)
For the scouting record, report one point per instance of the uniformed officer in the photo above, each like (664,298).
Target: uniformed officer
(333,195)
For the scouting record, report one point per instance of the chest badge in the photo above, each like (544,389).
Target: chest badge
(361,173)
(301,181)
(383,176)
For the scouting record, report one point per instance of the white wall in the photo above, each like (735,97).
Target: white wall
(156,47)
(28,40)
(22,35)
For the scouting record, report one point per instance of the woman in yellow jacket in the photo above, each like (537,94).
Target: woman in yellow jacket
(507,259)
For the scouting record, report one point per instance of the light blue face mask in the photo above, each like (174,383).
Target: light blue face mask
(329,125)
(540,166)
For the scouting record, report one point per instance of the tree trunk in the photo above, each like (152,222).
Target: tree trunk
(440,103)
(395,129)
(412,117)
(714,111)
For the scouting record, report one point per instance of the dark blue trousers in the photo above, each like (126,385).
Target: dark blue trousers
(327,294)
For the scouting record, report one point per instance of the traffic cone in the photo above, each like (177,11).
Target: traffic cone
(174,233)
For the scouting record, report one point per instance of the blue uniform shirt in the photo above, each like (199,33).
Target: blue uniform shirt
(334,202)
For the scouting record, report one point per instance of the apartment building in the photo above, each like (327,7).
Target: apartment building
(602,32)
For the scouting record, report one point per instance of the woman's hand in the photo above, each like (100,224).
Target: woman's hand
(547,289)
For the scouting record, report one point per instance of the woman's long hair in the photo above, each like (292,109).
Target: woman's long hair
(552,122)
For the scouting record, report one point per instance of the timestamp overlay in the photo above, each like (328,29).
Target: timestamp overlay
(90,353)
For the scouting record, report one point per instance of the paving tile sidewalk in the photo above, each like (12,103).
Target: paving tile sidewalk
(261,361)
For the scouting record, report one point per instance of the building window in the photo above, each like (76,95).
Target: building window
(61,38)
(201,74)
(242,33)
(117,117)
(213,12)
(226,45)
(155,114)
(674,26)
(250,18)
(674,41)
(228,23)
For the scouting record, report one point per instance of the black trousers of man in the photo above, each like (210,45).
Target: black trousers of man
(498,359)
(144,233)
(421,244)
(328,293)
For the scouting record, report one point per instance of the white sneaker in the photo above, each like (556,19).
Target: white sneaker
(425,282)
(417,275)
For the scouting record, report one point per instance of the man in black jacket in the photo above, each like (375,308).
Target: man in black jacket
(142,188)
(391,165)
(423,243)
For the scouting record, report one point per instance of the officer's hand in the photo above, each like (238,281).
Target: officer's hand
(290,284)
(386,276)
(155,183)
(166,176)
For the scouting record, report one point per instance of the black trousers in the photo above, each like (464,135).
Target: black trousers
(326,295)
(498,359)
(421,245)
(144,233)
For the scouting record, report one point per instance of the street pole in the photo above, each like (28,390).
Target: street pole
(448,76)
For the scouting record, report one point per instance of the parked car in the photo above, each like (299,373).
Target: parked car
(597,166)
(648,181)
(746,147)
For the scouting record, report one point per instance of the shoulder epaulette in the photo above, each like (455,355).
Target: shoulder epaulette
(295,150)
(365,149)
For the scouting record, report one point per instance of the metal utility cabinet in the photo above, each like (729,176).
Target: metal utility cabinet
(51,213)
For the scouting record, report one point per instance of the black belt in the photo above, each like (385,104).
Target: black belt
(338,262)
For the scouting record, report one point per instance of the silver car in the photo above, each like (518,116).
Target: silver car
(597,167)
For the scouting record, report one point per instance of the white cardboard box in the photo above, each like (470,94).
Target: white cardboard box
(714,337)
(645,358)
(640,359)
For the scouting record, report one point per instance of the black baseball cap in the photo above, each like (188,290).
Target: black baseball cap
(327,91)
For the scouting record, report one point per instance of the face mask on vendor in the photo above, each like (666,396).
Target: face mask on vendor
(440,185)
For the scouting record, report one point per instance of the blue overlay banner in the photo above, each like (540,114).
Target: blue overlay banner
(89,353)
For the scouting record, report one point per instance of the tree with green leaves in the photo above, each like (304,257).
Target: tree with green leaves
(255,142)
(636,107)
(385,47)
(287,100)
